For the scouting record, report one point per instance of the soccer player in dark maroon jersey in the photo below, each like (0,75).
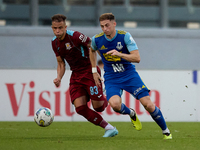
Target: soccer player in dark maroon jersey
(73,47)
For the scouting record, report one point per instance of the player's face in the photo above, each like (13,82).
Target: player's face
(59,29)
(108,27)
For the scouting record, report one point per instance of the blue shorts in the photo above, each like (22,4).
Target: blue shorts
(134,85)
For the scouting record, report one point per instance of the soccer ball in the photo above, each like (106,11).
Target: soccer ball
(43,117)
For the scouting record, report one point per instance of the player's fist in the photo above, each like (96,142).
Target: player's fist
(57,82)
(97,79)
(114,52)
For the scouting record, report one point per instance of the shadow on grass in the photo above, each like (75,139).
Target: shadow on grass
(82,138)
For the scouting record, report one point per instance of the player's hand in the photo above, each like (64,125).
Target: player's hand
(97,79)
(57,82)
(114,52)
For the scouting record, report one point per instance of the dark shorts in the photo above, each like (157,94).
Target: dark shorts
(85,86)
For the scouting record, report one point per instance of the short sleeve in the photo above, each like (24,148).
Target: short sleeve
(130,42)
(93,45)
(81,39)
(54,47)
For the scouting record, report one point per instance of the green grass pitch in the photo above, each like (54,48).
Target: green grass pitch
(86,136)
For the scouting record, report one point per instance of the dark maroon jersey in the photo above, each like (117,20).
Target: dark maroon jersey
(73,48)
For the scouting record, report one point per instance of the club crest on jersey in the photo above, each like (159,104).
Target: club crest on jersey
(68,46)
(119,46)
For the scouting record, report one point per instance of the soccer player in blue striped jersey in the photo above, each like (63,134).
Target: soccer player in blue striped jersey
(118,51)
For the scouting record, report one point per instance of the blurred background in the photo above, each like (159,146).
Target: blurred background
(166,31)
(129,13)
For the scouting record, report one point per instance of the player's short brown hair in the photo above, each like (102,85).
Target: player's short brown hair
(58,18)
(107,16)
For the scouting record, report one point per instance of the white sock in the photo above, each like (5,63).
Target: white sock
(166,131)
(109,127)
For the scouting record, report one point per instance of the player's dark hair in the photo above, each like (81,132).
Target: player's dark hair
(107,16)
(58,18)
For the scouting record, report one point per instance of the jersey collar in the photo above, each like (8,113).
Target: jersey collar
(112,38)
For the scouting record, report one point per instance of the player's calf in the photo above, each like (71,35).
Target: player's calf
(89,114)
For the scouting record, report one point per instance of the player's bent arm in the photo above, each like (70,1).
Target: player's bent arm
(99,53)
(93,60)
(134,56)
(89,43)
(93,57)
(60,68)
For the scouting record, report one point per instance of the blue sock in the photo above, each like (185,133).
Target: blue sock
(158,118)
(124,110)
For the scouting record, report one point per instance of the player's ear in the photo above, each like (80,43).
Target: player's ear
(114,23)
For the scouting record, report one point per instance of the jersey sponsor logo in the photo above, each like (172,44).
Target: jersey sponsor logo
(103,47)
(83,38)
(119,46)
(108,57)
(68,46)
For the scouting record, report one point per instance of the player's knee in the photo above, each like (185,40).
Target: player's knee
(150,107)
(115,103)
(102,108)
(115,106)
(99,109)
